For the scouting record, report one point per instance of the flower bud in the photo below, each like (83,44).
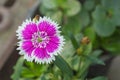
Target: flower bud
(85,40)
(79,51)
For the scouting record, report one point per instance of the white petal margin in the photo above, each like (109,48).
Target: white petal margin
(60,47)
(45,60)
(22,52)
(28,58)
(47,19)
(21,28)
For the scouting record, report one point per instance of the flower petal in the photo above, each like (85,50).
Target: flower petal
(28,47)
(41,56)
(29,30)
(53,44)
(47,26)
(41,53)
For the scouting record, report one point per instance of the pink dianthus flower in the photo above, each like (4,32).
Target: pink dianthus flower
(40,40)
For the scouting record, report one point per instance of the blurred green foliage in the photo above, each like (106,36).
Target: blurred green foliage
(100,78)
(97,19)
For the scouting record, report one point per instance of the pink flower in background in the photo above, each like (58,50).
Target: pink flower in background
(39,40)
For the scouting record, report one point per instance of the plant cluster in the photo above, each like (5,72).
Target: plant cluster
(90,27)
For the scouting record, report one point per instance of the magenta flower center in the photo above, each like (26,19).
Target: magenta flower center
(40,39)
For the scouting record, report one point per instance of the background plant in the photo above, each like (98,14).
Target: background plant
(96,19)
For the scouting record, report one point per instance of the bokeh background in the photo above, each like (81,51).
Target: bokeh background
(97,19)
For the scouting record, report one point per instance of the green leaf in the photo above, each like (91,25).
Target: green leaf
(113,47)
(114,16)
(17,69)
(89,4)
(112,44)
(49,4)
(75,62)
(63,66)
(72,25)
(68,50)
(113,9)
(97,53)
(27,73)
(61,2)
(99,13)
(94,59)
(32,70)
(87,49)
(104,28)
(111,3)
(73,7)
(102,25)
(43,10)
(42,77)
(89,31)
(100,78)
(29,64)
(26,79)
(84,18)
(56,16)
(74,41)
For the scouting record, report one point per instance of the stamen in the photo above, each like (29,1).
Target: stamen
(39,39)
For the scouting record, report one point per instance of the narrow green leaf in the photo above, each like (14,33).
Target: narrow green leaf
(31,70)
(97,53)
(100,78)
(17,69)
(87,49)
(63,66)
(74,41)
(27,73)
(94,59)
